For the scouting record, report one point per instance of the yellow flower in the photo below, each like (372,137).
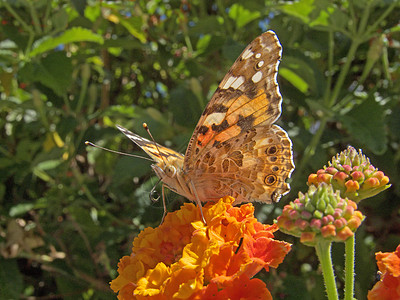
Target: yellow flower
(185,259)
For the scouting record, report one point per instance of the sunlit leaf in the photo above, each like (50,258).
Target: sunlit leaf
(73,35)
(241,15)
(294,79)
(20,209)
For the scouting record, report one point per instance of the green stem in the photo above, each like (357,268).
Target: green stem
(349,269)
(35,18)
(383,16)
(344,71)
(17,17)
(364,20)
(331,47)
(85,82)
(323,249)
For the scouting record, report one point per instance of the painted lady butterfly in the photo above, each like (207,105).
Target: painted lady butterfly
(235,150)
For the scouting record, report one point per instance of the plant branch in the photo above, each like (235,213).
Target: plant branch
(35,18)
(344,71)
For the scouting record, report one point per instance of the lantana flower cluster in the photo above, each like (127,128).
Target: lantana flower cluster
(320,213)
(186,259)
(388,287)
(352,174)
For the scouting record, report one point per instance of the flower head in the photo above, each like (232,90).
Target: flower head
(352,174)
(321,213)
(389,285)
(186,259)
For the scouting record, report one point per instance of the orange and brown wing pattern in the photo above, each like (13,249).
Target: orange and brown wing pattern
(253,166)
(246,103)
(247,97)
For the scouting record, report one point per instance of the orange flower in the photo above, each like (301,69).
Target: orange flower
(186,259)
(389,286)
(241,287)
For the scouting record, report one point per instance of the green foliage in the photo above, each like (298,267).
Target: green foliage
(71,70)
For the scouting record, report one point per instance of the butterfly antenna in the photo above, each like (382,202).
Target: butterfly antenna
(87,143)
(153,140)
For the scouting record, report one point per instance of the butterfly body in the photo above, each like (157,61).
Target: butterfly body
(235,150)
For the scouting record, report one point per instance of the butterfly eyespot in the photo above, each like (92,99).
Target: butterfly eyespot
(270,179)
(275,169)
(273,159)
(271,150)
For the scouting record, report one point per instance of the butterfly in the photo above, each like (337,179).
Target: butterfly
(236,149)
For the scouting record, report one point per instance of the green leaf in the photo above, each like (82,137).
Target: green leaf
(126,168)
(73,35)
(209,44)
(187,114)
(302,73)
(203,43)
(53,71)
(206,24)
(132,24)
(10,279)
(242,16)
(60,20)
(294,79)
(49,164)
(80,6)
(366,123)
(41,174)
(321,13)
(20,209)
(300,9)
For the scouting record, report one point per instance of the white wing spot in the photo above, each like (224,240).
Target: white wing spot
(247,54)
(260,64)
(214,118)
(238,82)
(258,55)
(257,77)
(229,82)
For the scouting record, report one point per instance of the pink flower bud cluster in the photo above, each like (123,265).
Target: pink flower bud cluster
(320,213)
(352,174)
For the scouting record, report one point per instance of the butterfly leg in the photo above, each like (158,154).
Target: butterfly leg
(164,205)
(198,202)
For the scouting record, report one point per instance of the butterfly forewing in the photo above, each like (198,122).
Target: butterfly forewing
(157,152)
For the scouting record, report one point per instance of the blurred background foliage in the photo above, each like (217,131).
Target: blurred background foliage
(71,70)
